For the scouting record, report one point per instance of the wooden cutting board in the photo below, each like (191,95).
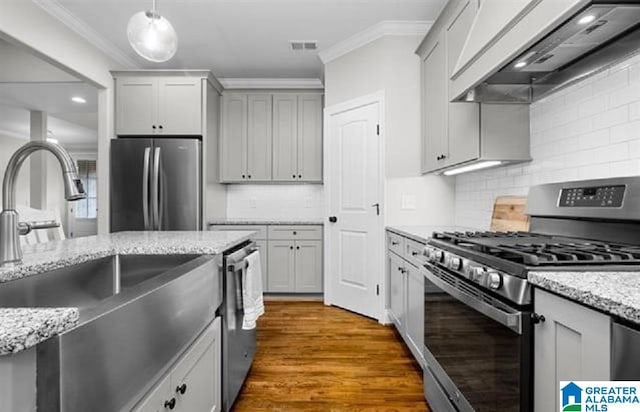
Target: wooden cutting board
(508,214)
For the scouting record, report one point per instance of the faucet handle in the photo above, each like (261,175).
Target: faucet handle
(24,228)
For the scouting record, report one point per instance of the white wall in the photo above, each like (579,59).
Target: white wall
(8,145)
(27,24)
(295,202)
(390,64)
(590,130)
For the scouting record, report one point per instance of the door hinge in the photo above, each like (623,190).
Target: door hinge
(377,290)
(378,129)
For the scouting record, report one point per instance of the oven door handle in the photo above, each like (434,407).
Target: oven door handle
(511,320)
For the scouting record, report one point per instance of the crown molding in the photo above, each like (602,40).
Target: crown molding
(58,11)
(256,83)
(384,28)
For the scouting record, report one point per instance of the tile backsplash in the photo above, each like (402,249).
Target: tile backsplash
(587,131)
(275,201)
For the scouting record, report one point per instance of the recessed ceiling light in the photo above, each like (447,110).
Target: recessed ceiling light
(587,19)
(520,65)
(78,99)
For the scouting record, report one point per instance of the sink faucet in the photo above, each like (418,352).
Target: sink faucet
(10,251)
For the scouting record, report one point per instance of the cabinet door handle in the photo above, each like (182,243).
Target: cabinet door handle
(535,318)
(297,247)
(248,176)
(294,176)
(414,253)
(295,233)
(153,126)
(243,176)
(291,247)
(299,176)
(394,243)
(170,404)
(160,127)
(181,389)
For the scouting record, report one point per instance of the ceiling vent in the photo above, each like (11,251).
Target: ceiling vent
(301,46)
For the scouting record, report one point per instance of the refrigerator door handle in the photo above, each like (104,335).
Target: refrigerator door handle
(145,187)
(156,188)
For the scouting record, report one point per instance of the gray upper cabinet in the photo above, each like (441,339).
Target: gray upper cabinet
(259,137)
(136,105)
(455,134)
(245,153)
(151,105)
(309,153)
(434,107)
(180,105)
(463,136)
(233,143)
(573,343)
(285,137)
(282,137)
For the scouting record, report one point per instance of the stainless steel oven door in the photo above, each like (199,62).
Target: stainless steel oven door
(478,348)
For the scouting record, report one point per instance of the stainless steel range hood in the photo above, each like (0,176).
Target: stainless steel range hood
(601,34)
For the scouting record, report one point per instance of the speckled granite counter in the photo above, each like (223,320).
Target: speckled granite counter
(617,293)
(423,233)
(21,328)
(248,221)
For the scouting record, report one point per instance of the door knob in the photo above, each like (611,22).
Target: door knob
(333,219)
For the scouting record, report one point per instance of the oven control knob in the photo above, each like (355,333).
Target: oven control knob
(494,280)
(455,263)
(437,256)
(468,271)
(478,274)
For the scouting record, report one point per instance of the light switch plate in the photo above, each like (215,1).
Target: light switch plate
(252,202)
(408,202)
(308,202)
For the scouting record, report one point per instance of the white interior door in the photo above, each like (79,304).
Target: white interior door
(354,267)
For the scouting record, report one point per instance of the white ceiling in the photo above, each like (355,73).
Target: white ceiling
(29,83)
(248,38)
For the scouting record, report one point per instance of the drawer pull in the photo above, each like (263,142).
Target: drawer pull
(182,389)
(394,243)
(414,253)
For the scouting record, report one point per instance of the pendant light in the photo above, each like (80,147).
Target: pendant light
(152,36)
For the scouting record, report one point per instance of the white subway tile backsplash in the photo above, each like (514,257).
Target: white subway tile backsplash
(275,201)
(588,131)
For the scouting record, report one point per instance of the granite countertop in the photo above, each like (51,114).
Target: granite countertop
(22,328)
(616,293)
(269,221)
(424,233)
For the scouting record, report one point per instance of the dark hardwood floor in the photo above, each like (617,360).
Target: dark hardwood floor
(313,357)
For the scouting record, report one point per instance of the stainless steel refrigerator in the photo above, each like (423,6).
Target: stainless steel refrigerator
(156,184)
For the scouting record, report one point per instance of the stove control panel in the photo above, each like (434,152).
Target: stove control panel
(600,196)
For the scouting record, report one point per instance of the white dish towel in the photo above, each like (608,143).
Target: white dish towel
(252,291)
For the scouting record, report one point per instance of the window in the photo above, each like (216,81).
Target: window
(87,208)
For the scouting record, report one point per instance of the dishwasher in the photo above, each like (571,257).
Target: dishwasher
(238,345)
(625,353)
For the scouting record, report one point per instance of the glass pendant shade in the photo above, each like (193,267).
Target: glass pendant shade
(152,36)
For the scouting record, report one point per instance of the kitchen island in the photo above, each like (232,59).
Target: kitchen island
(125,291)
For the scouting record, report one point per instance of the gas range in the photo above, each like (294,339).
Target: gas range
(500,261)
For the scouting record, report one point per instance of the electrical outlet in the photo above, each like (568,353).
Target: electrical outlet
(308,202)
(408,202)
(252,202)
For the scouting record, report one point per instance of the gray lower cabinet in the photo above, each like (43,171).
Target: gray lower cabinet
(281,266)
(194,382)
(406,291)
(397,300)
(295,266)
(573,343)
(291,256)
(415,311)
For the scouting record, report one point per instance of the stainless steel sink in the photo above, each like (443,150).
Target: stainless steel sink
(87,284)
(137,313)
